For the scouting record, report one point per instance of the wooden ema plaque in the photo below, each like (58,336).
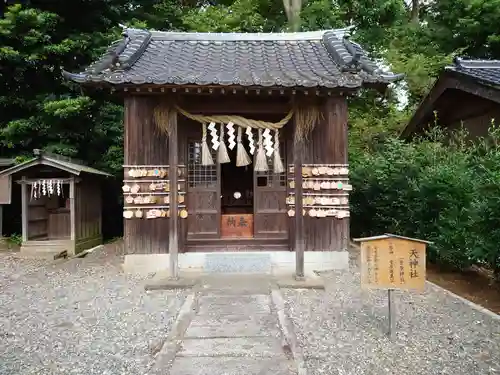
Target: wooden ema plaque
(237,226)
(392,262)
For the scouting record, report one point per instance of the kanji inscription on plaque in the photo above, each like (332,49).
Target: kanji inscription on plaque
(237,225)
(392,262)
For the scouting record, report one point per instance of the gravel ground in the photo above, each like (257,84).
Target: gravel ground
(12,267)
(81,316)
(343,331)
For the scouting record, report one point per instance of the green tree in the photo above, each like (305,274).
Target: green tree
(38,109)
(235,16)
(470,26)
(293,8)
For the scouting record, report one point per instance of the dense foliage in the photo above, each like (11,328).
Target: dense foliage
(447,194)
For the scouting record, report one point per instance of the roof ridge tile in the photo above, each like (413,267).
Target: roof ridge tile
(461,63)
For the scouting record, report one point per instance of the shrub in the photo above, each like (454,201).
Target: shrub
(442,189)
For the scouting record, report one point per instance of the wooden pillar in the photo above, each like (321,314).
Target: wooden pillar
(72,211)
(173,239)
(299,218)
(24,209)
(99,209)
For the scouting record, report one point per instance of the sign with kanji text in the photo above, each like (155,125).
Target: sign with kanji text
(237,226)
(392,262)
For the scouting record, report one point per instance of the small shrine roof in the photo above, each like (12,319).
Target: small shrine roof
(486,71)
(53,160)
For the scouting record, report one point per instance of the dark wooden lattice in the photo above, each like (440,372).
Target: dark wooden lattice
(200,175)
(275,179)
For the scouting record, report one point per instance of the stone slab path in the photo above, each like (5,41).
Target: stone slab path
(235,331)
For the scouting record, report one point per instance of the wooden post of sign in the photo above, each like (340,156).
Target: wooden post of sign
(392,262)
(392,313)
(173,241)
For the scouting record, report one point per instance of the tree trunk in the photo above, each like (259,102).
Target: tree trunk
(292,11)
(415,10)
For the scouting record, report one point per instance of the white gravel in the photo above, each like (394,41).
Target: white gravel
(82,316)
(343,331)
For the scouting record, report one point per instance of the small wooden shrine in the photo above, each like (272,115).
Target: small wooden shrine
(465,95)
(60,204)
(235,141)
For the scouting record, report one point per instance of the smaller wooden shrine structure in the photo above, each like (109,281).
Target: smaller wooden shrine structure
(465,95)
(60,204)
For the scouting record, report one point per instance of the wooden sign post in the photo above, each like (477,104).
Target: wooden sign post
(392,262)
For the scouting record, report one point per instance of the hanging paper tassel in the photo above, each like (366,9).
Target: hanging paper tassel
(242,157)
(35,190)
(223,155)
(206,155)
(50,187)
(230,132)
(268,143)
(251,144)
(278,163)
(261,160)
(213,133)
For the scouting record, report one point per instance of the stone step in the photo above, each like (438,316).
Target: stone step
(232,366)
(253,347)
(236,284)
(35,243)
(37,253)
(236,304)
(233,326)
(238,263)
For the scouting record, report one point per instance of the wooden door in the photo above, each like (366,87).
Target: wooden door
(203,194)
(270,212)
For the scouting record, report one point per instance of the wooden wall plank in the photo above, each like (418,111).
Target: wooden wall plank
(144,144)
(328,144)
(88,212)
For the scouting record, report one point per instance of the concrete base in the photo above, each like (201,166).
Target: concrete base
(144,264)
(162,281)
(267,262)
(289,281)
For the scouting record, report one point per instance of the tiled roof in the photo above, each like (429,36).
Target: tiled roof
(56,161)
(481,73)
(305,59)
(486,71)
(4,162)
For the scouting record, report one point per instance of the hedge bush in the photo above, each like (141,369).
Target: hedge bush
(445,190)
